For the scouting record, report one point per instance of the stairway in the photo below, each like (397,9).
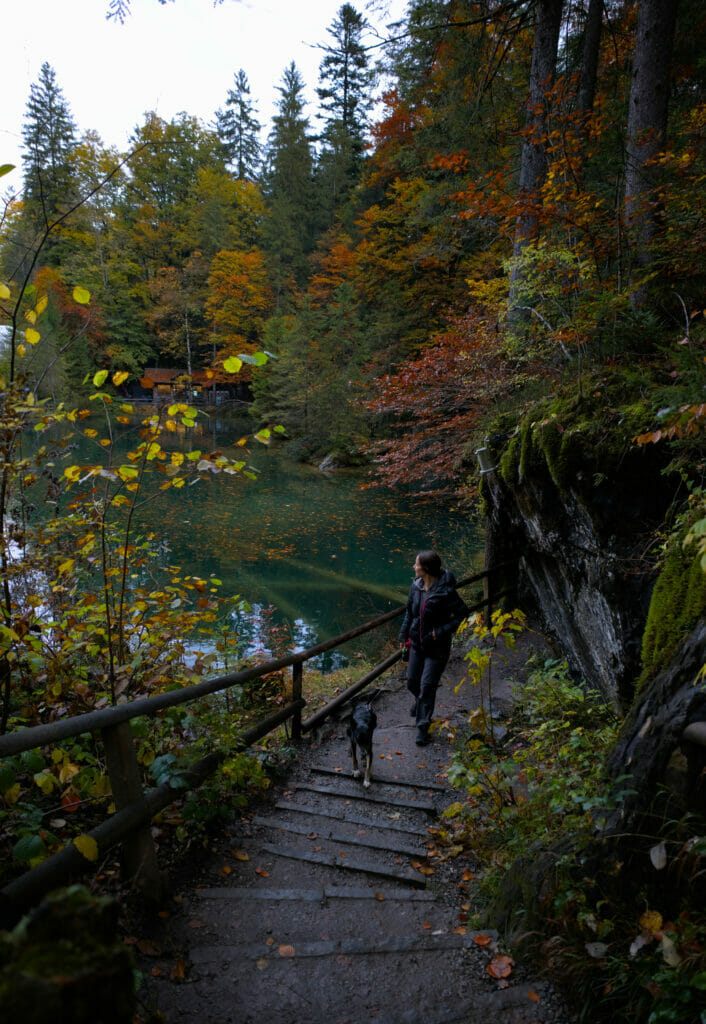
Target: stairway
(323,907)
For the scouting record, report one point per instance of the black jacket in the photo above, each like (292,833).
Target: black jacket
(437,611)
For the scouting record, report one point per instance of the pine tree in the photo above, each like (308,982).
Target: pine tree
(49,136)
(288,187)
(239,129)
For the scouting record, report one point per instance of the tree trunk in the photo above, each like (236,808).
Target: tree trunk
(646,130)
(533,165)
(589,61)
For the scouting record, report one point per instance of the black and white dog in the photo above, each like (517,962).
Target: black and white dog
(360,730)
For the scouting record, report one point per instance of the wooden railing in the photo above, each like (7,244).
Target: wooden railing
(135,809)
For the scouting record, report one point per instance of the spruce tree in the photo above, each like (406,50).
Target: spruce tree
(287,186)
(239,130)
(345,77)
(49,136)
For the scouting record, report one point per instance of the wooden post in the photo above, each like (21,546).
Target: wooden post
(296,695)
(138,852)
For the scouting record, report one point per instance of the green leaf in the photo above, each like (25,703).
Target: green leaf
(33,760)
(100,378)
(7,777)
(27,848)
(5,169)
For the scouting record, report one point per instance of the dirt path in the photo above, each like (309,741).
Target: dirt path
(321,907)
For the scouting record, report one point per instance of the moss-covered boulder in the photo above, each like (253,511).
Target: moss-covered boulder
(63,962)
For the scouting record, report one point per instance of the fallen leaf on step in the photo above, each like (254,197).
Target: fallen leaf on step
(460,930)
(426,924)
(500,966)
(261,964)
(149,948)
(466,876)
(262,872)
(178,971)
(287,951)
(226,869)
(240,855)
(270,941)
(482,940)
(312,835)
(164,914)
(156,971)
(195,923)
(533,996)
(379,896)
(504,983)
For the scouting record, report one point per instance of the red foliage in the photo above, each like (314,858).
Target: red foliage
(435,401)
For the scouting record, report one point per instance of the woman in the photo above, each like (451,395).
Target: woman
(434,613)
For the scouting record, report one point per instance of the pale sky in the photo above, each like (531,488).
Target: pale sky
(181,56)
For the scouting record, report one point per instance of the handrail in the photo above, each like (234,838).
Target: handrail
(92,721)
(134,807)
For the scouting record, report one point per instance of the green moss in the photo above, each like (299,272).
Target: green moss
(510,461)
(678,601)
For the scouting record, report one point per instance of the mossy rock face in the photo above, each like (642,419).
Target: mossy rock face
(678,602)
(63,962)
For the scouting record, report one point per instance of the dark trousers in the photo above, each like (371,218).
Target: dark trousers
(423,675)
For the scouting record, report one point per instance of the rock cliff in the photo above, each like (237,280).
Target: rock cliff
(581,517)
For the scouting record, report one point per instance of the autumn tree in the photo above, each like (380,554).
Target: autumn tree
(239,298)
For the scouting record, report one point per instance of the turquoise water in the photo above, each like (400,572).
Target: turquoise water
(325,553)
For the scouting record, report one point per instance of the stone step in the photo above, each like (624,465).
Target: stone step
(340,836)
(378,870)
(356,793)
(385,780)
(356,819)
(348,946)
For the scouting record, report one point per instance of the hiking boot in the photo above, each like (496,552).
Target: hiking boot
(422,739)
(413,710)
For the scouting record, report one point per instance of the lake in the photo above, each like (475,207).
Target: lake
(325,553)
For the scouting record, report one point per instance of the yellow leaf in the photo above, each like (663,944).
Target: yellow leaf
(81,295)
(32,336)
(153,451)
(21,350)
(177,458)
(127,472)
(120,377)
(41,305)
(12,795)
(30,316)
(87,846)
(4,291)
(66,566)
(90,432)
(233,364)
(651,921)
(179,482)
(100,378)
